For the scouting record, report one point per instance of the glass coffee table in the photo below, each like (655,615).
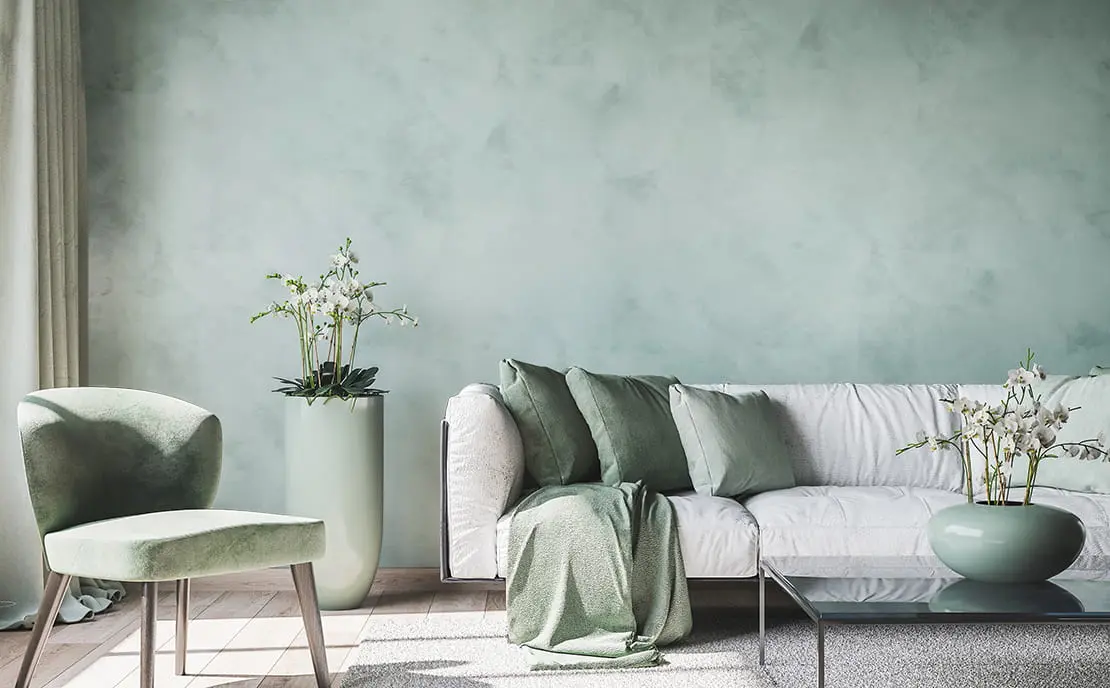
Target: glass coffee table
(921,590)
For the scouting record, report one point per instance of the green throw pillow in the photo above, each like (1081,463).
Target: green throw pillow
(630,419)
(733,444)
(558,448)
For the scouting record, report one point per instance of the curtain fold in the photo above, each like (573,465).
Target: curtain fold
(42,224)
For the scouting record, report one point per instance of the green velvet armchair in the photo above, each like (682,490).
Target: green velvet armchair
(121,482)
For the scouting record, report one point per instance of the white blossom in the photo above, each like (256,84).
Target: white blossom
(1044,437)
(962,405)
(1020,377)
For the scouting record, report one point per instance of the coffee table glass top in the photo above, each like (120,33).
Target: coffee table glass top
(923,590)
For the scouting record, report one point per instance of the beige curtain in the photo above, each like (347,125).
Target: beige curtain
(42,224)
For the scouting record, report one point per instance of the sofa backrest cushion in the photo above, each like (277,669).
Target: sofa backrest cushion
(558,446)
(1092,395)
(630,419)
(847,434)
(733,444)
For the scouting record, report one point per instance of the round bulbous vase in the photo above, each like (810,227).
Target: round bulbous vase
(1006,543)
(333,460)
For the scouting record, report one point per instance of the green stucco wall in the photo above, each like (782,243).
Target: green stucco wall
(865,190)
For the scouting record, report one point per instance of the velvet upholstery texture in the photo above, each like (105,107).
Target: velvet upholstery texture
(183,544)
(120,481)
(733,445)
(630,419)
(94,453)
(558,446)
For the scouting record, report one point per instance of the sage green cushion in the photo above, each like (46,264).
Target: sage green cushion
(1092,395)
(183,544)
(733,444)
(630,420)
(558,448)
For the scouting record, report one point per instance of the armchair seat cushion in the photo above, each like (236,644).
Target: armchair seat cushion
(187,543)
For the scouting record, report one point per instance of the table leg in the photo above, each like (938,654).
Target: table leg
(820,654)
(762,614)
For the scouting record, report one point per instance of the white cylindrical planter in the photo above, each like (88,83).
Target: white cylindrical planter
(333,459)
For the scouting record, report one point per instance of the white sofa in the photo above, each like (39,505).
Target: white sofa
(854,496)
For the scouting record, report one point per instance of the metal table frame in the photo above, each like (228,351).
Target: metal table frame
(822,621)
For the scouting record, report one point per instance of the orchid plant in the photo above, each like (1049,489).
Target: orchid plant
(1019,426)
(326,313)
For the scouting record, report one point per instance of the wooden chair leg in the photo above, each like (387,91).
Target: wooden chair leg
(56,586)
(304,580)
(147,623)
(182,633)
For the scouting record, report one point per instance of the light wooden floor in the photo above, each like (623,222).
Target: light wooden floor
(247,631)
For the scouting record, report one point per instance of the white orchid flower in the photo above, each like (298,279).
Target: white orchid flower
(981,416)
(962,405)
(340,260)
(1045,416)
(1045,437)
(1020,377)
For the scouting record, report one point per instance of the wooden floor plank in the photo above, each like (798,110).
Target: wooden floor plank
(341,633)
(247,631)
(212,629)
(392,603)
(56,658)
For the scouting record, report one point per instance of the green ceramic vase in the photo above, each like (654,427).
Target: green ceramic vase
(1011,543)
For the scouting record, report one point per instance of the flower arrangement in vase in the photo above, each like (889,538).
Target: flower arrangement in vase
(992,537)
(334,453)
(326,313)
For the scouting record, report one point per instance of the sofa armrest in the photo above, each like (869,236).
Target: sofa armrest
(482,473)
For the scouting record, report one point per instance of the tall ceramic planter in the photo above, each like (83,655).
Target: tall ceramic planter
(1008,543)
(333,459)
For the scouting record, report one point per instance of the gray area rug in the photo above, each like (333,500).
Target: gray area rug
(469,653)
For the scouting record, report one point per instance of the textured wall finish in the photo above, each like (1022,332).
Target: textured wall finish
(741,190)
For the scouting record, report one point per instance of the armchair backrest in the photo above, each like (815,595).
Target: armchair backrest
(93,453)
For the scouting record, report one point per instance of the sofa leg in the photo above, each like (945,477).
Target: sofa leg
(762,615)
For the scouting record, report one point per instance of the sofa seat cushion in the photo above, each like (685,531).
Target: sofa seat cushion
(189,543)
(717,535)
(834,521)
